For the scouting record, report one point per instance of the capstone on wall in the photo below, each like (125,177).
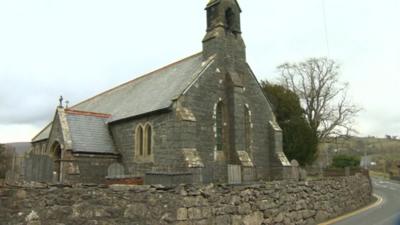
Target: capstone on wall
(280,203)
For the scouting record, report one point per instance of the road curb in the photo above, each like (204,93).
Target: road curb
(340,218)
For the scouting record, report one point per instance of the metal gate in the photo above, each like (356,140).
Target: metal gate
(234,174)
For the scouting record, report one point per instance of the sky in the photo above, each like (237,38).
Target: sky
(79,48)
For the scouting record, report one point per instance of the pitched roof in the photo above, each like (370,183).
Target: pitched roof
(151,92)
(89,132)
(43,134)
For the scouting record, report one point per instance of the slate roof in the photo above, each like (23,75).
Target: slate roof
(89,132)
(43,134)
(152,92)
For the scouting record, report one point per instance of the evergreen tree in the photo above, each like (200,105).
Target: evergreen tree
(299,140)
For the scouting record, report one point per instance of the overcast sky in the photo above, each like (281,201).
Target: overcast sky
(79,48)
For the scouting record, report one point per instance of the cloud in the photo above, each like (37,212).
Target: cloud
(17,133)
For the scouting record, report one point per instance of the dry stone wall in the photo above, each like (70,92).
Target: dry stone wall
(285,202)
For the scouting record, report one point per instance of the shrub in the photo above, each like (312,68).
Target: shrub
(342,161)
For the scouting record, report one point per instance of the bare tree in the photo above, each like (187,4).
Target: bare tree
(324,98)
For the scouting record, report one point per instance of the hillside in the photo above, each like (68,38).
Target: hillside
(384,152)
(20,147)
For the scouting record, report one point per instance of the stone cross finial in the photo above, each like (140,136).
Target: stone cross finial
(61,99)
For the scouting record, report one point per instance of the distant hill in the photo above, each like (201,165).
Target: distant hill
(20,147)
(385,152)
(360,146)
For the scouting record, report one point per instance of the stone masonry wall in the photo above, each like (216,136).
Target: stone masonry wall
(166,156)
(285,202)
(202,99)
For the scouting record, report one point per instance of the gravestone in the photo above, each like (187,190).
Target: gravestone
(115,171)
(295,170)
(303,174)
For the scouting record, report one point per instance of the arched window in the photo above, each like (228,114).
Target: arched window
(139,140)
(148,141)
(247,128)
(220,126)
(144,143)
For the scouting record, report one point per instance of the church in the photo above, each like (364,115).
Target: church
(200,120)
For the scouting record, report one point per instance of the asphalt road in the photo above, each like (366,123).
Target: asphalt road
(387,213)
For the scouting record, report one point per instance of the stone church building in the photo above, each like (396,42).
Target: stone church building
(204,116)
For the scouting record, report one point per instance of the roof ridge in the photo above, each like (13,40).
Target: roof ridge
(87,113)
(135,79)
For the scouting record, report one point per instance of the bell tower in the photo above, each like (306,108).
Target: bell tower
(223,31)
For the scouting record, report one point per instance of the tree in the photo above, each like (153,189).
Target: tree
(342,161)
(299,141)
(327,107)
